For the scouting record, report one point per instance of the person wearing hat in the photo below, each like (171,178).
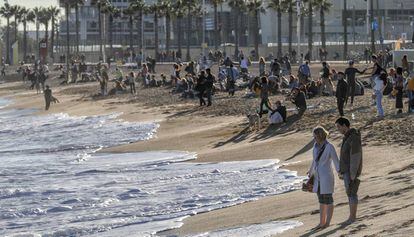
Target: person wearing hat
(341,92)
(350,73)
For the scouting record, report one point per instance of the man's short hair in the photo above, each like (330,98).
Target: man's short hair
(343,121)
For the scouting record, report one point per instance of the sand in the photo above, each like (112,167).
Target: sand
(218,135)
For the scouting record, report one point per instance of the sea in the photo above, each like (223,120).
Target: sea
(55,181)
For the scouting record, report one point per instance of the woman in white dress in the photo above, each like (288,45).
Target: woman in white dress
(324,155)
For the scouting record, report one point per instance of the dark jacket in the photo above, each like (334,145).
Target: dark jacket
(351,154)
(300,101)
(341,89)
(282,111)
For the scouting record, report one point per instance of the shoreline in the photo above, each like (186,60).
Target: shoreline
(223,138)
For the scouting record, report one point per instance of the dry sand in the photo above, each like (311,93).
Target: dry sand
(387,188)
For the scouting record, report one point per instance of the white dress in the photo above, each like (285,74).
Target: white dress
(324,179)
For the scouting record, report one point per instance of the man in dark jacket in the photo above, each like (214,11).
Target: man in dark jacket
(298,98)
(350,164)
(48,97)
(341,92)
(350,74)
(210,79)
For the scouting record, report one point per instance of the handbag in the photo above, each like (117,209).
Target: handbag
(308,185)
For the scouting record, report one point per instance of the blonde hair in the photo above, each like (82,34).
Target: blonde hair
(321,132)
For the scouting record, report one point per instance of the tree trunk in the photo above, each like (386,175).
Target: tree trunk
(322,25)
(67,42)
(24,41)
(100,33)
(52,40)
(156,46)
(216,31)
(345,22)
(256,34)
(8,46)
(168,32)
(15,28)
(290,22)
(310,30)
(77,27)
(236,34)
(188,34)
(111,34)
(179,37)
(279,33)
(139,30)
(131,34)
(371,20)
(37,36)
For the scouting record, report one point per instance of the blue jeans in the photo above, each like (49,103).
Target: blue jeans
(378,101)
(410,101)
(353,198)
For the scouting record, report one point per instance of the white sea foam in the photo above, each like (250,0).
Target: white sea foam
(257,230)
(52,183)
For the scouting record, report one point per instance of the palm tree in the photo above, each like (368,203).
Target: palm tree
(37,11)
(101,5)
(44,19)
(192,8)
(237,6)
(166,8)
(179,15)
(255,7)
(5,11)
(17,13)
(113,12)
(138,6)
(287,6)
(76,4)
(216,30)
(54,14)
(323,6)
(345,22)
(155,9)
(130,12)
(28,16)
(310,27)
(67,4)
(276,6)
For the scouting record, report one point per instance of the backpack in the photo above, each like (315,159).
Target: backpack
(388,87)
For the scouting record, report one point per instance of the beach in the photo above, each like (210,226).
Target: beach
(220,134)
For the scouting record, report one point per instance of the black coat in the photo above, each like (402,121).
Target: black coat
(342,89)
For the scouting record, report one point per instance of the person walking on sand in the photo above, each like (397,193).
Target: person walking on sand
(201,87)
(48,97)
(326,80)
(379,86)
(350,164)
(324,155)
(210,79)
(131,82)
(350,73)
(262,67)
(341,92)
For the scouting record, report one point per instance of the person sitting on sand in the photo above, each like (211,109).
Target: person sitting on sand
(313,89)
(298,98)
(119,75)
(350,164)
(279,114)
(324,155)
